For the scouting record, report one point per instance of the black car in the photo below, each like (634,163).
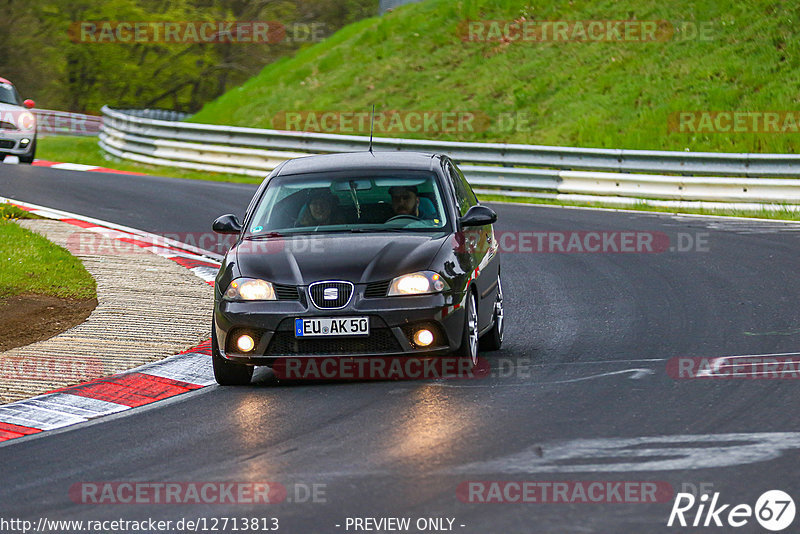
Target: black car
(360,254)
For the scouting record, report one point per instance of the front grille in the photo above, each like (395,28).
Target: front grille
(7,143)
(284,292)
(376,290)
(379,341)
(319,290)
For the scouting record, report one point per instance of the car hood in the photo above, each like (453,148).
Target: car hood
(358,258)
(4,106)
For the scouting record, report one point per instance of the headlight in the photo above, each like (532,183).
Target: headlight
(420,283)
(250,289)
(26,121)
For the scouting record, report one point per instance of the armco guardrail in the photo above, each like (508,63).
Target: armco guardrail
(51,122)
(509,169)
(157,114)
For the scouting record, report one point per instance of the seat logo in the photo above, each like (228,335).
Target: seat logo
(330,293)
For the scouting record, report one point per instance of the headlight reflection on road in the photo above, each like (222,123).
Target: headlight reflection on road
(252,414)
(433,428)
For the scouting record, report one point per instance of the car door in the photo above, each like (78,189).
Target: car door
(477,241)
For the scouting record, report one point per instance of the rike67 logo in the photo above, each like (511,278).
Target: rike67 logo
(774,510)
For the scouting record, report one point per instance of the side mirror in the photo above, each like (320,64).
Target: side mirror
(227,224)
(29,104)
(479,216)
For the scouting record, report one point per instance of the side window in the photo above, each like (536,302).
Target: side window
(463,195)
(468,188)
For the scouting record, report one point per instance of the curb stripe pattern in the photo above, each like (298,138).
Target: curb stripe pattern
(9,431)
(178,374)
(132,389)
(80,167)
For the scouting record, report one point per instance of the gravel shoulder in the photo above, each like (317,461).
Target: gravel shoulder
(148,308)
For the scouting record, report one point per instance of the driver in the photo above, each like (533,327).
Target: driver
(405,200)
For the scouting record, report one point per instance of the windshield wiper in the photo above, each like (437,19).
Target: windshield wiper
(269,235)
(375,230)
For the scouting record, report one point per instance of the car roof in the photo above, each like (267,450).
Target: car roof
(359,161)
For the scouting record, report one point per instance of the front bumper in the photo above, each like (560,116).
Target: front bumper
(392,321)
(11,142)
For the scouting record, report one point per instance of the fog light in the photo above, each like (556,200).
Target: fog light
(423,338)
(24,142)
(245,343)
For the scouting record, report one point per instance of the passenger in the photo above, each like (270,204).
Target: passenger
(320,210)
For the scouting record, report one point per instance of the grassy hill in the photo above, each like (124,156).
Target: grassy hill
(608,94)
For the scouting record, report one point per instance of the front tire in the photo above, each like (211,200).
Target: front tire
(227,373)
(29,158)
(493,339)
(469,338)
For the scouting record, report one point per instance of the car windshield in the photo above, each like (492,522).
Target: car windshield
(323,203)
(8,95)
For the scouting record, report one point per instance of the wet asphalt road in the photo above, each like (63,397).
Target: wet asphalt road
(580,391)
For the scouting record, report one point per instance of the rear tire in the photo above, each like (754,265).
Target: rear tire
(493,339)
(228,373)
(469,338)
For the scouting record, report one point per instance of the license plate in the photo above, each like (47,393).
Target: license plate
(331,326)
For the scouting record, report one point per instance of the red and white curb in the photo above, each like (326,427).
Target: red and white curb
(14,160)
(181,373)
(144,385)
(80,167)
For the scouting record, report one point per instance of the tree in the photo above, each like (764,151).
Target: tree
(45,53)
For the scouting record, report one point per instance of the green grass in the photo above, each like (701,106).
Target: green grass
(587,94)
(31,264)
(9,211)
(85,150)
